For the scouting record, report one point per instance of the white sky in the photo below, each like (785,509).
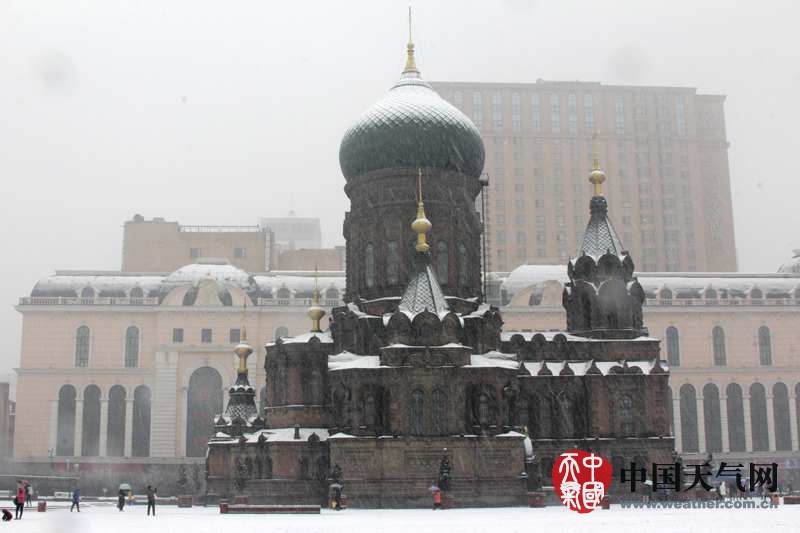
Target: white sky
(221,112)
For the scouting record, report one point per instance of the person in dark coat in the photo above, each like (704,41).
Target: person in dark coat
(151,500)
(121,500)
(19,502)
(28,494)
(76,499)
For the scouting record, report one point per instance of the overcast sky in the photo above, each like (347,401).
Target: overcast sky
(221,112)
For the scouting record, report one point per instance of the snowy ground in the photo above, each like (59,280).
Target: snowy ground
(104,518)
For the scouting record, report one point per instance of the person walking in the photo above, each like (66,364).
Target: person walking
(76,499)
(28,494)
(121,499)
(437,499)
(151,499)
(19,502)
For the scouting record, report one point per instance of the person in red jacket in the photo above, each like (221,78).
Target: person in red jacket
(19,502)
(437,499)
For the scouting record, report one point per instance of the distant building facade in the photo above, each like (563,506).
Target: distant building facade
(7,419)
(159,245)
(292,233)
(665,146)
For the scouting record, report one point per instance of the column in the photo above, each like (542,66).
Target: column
(770,422)
(54,425)
(103,427)
(184,418)
(793,420)
(128,426)
(701,425)
(676,423)
(164,418)
(723,415)
(78,427)
(748,435)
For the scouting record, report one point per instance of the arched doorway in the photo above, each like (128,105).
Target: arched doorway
(116,422)
(758,418)
(141,422)
(689,440)
(65,432)
(90,429)
(204,402)
(711,420)
(735,406)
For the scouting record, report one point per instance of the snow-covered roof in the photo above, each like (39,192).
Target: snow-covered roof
(112,283)
(219,270)
(298,284)
(287,434)
(494,360)
(347,360)
(323,336)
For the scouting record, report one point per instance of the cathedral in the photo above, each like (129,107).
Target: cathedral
(414,375)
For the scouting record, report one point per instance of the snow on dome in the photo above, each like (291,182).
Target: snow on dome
(218,270)
(527,275)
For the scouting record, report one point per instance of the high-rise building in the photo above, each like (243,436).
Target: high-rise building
(664,148)
(292,233)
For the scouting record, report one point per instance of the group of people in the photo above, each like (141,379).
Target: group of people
(22,496)
(128,494)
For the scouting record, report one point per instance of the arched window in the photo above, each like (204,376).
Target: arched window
(90,429)
(764,346)
(392,263)
(711,420)
(735,406)
(369,265)
(281,332)
(332,294)
(666,296)
(204,403)
(463,266)
(711,294)
(283,294)
(137,292)
(141,422)
(718,343)
(689,440)
(442,262)
(782,416)
(87,292)
(439,411)
(82,338)
(132,347)
(625,410)
(758,418)
(756,294)
(673,347)
(65,429)
(417,412)
(116,422)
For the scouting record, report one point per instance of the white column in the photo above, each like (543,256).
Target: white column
(54,425)
(128,426)
(184,418)
(793,420)
(723,419)
(770,423)
(701,425)
(78,427)
(103,427)
(164,416)
(748,435)
(676,423)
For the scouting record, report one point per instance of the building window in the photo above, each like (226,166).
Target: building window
(555,113)
(87,292)
(536,112)
(417,412)
(463,267)
(194,253)
(673,347)
(782,417)
(235,336)
(392,263)
(369,265)
(626,416)
(572,113)
(718,342)
(764,346)
(177,335)
(588,112)
(680,115)
(688,405)
(477,109)
(205,335)
(620,114)
(82,338)
(439,411)
(497,111)
(735,407)
(136,293)
(239,253)
(515,113)
(442,267)
(711,418)
(132,347)
(758,418)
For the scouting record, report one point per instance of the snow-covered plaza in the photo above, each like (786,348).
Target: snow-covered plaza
(104,518)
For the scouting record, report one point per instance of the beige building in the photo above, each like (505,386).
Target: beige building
(666,147)
(732,343)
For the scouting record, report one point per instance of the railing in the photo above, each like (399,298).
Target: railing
(724,302)
(220,229)
(61,300)
(297,302)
